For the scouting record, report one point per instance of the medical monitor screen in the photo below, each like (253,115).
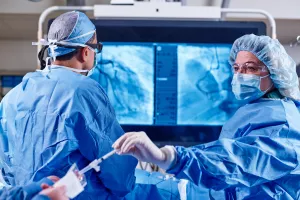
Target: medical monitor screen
(126,72)
(167,83)
(204,94)
(164,73)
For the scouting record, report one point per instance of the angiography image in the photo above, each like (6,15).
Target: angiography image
(204,85)
(126,73)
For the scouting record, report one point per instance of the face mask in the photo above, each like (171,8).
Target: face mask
(95,63)
(95,58)
(91,72)
(247,87)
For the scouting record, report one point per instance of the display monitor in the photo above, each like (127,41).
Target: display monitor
(165,73)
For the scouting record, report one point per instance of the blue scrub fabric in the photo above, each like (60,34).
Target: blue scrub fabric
(55,118)
(155,185)
(256,157)
(27,192)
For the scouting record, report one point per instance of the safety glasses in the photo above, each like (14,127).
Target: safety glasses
(94,47)
(97,46)
(249,68)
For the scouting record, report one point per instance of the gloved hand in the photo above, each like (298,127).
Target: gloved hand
(139,145)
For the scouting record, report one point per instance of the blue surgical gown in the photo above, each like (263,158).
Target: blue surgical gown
(157,186)
(27,192)
(256,157)
(55,118)
(154,185)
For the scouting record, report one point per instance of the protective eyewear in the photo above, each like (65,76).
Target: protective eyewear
(249,67)
(94,47)
(97,46)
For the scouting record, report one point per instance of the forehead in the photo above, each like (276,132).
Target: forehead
(246,56)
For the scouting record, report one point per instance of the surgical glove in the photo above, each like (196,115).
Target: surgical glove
(139,145)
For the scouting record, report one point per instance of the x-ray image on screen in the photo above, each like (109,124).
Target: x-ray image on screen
(204,85)
(126,73)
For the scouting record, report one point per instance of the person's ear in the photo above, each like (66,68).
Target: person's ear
(85,54)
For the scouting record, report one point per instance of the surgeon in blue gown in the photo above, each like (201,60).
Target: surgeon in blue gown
(58,116)
(258,153)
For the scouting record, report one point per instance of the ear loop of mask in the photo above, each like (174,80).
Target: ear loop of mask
(264,69)
(75,70)
(265,91)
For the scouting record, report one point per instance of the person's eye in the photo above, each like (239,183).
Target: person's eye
(235,69)
(252,69)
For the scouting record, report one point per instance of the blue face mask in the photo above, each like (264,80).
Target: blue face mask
(95,63)
(247,87)
(95,58)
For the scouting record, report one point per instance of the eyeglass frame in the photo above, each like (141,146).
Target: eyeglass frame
(97,46)
(91,46)
(260,67)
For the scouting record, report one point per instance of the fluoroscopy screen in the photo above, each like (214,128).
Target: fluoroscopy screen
(167,83)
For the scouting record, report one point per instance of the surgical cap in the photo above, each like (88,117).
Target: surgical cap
(72,27)
(281,66)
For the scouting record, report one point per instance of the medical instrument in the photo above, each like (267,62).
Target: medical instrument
(96,162)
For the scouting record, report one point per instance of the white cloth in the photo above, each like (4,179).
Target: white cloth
(72,183)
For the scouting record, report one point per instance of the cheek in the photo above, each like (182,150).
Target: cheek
(265,83)
(91,60)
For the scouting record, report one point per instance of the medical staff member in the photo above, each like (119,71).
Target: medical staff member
(258,153)
(41,190)
(59,116)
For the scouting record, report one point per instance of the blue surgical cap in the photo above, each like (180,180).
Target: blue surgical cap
(71,27)
(281,66)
